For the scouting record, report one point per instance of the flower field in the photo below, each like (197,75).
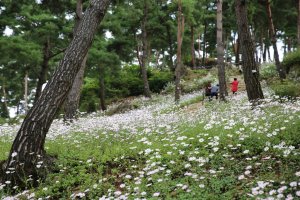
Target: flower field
(216,150)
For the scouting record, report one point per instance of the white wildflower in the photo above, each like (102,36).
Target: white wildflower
(293,184)
(156,194)
(246,151)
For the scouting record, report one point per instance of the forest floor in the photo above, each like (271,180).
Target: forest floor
(161,150)
(241,88)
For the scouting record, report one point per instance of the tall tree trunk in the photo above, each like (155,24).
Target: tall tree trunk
(179,65)
(279,68)
(102,91)
(289,45)
(157,55)
(227,59)
(237,51)
(265,53)
(250,69)
(298,25)
(284,47)
(171,50)
(261,44)
(220,51)
(204,46)
(147,92)
(4,108)
(28,147)
(71,104)
(26,92)
(44,69)
(199,49)
(193,48)
(269,54)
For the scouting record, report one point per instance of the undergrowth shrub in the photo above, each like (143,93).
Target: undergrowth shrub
(122,107)
(159,79)
(189,86)
(292,61)
(169,88)
(210,62)
(286,88)
(268,71)
(89,95)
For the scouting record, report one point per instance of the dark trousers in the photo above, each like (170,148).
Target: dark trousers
(214,94)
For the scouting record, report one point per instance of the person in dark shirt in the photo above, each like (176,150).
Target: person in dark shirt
(214,91)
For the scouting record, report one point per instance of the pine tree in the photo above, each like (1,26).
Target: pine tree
(28,147)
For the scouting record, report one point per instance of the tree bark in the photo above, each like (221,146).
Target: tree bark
(171,50)
(237,51)
(289,45)
(144,63)
(204,46)
(298,25)
(265,53)
(179,65)
(26,92)
(47,55)
(44,69)
(193,48)
(279,68)
(72,102)
(199,49)
(261,44)
(250,69)
(27,155)
(4,107)
(220,51)
(102,92)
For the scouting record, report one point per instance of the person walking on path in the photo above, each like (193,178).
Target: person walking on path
(234,85)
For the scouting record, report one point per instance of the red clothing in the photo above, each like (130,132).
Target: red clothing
(234,86)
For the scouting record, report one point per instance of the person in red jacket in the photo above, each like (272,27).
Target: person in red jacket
(234,86)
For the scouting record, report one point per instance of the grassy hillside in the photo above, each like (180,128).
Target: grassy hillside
(159,150)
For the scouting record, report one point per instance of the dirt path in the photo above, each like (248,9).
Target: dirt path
(242,87)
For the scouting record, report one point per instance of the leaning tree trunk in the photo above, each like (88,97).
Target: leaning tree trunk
(144,63)
(279,68)
(298,25)
(179,65)
(27,155)
(250,68)
(72,102)
(220,51)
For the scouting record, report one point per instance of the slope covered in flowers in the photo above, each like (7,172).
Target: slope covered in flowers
(161,151)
